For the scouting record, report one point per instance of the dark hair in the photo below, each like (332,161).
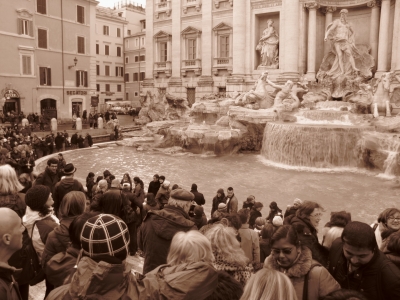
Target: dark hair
(230,188)
(138,180)
(305,210)
(285,232)
(175,186)
(339,219)
(151,200)
(76,226)
(156,176)
(60,154)
(162,177)
(194,187)
(52,161)
(344,294)
(90,175)
(129,177)
(44,210)
(360,235)
(268,231)
(99,178)
(244,215)
(394,243)
(234,219)
(112,177)
(106,173)
(227,288)
(383,216)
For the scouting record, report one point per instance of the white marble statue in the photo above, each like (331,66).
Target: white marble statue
(268,46)
(341,35)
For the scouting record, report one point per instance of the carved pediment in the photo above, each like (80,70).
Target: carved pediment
(190,30)
(222,26)
(162,34)
(24,13)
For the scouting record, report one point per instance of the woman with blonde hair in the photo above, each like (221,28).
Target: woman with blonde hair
(268,284)
(72,205)
(188,274)
(9,188)
(229,257)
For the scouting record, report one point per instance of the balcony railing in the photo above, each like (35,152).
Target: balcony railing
(163,6)
(162,67)
(222,63)
(191,65)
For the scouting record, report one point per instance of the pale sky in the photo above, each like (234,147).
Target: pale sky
(110,3)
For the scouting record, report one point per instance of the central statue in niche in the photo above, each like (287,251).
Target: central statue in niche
(346,65)
(268,47)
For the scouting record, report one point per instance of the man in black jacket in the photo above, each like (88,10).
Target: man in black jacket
(198,197)
(49,177)
(74,141)
(356,263)
(154,186)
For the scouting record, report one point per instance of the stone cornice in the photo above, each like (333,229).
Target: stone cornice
(328,9)
(312,5)
(374,3)
(265,3)
(339,3)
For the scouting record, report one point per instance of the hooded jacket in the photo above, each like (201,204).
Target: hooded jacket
(320,282)
(157,230)
(57,241)
(62,188)
(8,287)
(98,280)
(182,282)
(61,267)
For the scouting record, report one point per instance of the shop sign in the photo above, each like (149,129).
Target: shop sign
(11,94)
(76,92)
(94,101)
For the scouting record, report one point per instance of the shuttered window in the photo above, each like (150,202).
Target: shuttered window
(118,32)
(107,70)
(45,76)
(106,30)
(97,49)
(136,58)
(126,77)
(142,58)
(26,65)
(224,46)
(98,87)
(107,50)
(191,48)
(97,70)
(81,45)
(119,51)
(163,52)
(107,87)
(119,88)
(119,71)
(135,77)
(25,27)
(80,14)
(81,78)
(141,76)
(42,38)
(41,6)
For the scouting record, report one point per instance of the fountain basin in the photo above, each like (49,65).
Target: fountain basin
(333,105)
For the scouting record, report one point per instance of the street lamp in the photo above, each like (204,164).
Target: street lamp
(75,61)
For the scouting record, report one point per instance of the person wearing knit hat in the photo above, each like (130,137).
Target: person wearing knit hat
(102,267)
(292,209)
(159,227)
(39,219)
(219,198)
(222,207)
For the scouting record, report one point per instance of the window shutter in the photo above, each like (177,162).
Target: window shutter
(116,71)
(48,76)
(97,49)
(42,38)
(30,28)
(78,78)
(122,71)
(19,24)
(42,75)
(81,14)
(85,78)
(28,65)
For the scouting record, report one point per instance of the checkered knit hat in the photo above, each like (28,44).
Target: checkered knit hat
(105,235)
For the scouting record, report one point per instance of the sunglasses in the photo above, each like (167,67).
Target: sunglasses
(286,251)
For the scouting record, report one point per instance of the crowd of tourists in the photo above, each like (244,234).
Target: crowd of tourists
(77,238)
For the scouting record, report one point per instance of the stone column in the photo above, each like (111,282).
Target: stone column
(239,37)
(329,10)
(383,38)
(312,39)
(176,38)
(291,39)
(374,27)
(150,45)
(396,40)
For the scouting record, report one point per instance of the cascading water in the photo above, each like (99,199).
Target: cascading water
(311,146)
(392,147)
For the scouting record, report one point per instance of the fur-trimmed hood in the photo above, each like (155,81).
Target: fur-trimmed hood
(299,269)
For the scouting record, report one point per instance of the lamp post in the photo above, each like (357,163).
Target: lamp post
(74,65)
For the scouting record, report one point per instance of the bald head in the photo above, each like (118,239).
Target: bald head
(11,230)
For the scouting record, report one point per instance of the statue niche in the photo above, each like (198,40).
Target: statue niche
(346,65)
(268,47)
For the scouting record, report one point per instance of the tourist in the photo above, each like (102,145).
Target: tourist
(334,228)
(199,218)
(274,210)
(344,294)
(306,222)
(227,288)
(154,185)
(103,267)
(74,141)
(80,141)
(268,284)
(160,226)
(161,179)
(110,202)
(389,219)
(255,212)
(9,188)
(26,163)
(66,185)
(250,201)
(163,193)
(88,140)
(11,230)
(50,142)
(127,179)
(130,215)
(101,188)
(249,240)
(138,191)
(221,211)
(188,274)
(59,140)
(291,209)
(229,257)
(392,250)
(84,116)
(265,245)
(259,225)
(90,184)
(219,198)
(61,165)
(98,178)
(39,219)
(231,201)
(198,197)
(356,262)
(107,176)
(150,204)
(293,258)
(49,177)
(60,268)
(72,205)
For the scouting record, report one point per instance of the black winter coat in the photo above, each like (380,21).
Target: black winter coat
(47,178)
(198,197)
(64,187)
(377,280)
(153,187)
(8,286)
